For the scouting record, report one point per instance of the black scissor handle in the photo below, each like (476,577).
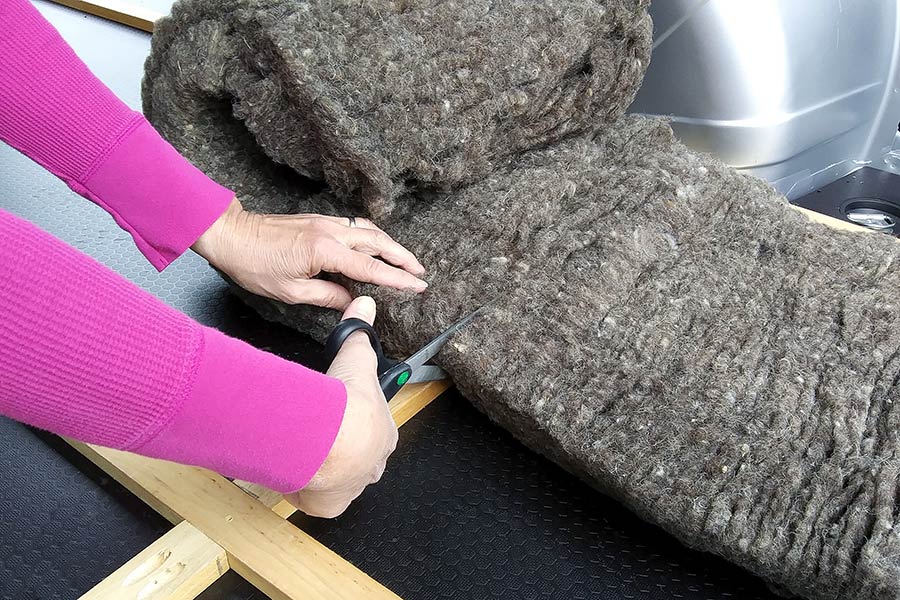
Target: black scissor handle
(392,374)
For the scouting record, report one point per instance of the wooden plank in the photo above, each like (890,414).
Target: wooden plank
(178,566)
(118,11)
(414,397)
(281,560)
(205,564)
(271,499)
(831,221)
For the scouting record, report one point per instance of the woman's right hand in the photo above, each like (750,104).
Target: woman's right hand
(367,435)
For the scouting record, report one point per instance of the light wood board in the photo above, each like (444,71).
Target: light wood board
(243,522)
(118,11)
(831,221)
(178,566)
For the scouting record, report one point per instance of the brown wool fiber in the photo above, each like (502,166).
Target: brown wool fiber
(659,324)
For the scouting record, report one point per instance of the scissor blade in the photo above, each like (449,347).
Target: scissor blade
(418,360)
(426,373)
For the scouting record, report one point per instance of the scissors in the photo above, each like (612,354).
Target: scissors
(394,374)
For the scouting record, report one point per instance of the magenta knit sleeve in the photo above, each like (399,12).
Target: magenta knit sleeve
(86,354)
(55,111)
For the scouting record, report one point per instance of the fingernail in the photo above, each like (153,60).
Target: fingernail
(365,306)
(421,285)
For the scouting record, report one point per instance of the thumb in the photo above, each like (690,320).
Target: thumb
(361,308)
(356,357)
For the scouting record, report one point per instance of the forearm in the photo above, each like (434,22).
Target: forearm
(54,110)
(86,354)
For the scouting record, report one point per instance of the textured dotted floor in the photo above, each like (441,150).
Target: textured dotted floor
(463,511)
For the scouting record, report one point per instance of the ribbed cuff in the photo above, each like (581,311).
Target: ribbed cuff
(154,193)
(253,416)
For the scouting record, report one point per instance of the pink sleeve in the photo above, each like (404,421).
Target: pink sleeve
(55,111)
(86,354)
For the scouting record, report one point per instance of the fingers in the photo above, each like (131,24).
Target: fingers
(369,238)
(337,258)
(375,242)
(317,292)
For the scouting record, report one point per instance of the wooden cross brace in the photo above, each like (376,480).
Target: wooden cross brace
(222,525)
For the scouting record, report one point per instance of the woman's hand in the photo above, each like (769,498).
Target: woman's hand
(279,255)
(367,435)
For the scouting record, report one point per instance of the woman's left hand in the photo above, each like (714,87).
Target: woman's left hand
(279,255)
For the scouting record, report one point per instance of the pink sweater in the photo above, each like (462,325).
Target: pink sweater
(85,353)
